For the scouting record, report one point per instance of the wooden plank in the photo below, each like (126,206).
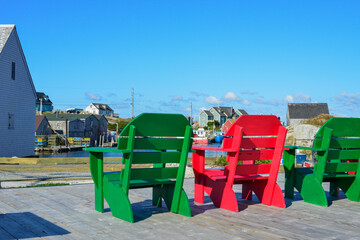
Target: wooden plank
(342,127)
(341,167)
(71,207)
(253,169)
(156,157)
(256,125)
(345,142)
(260,142)
(154,143)
(153,124)
(344,154)
(153,173)
(256,155)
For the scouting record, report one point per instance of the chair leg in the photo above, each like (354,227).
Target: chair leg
(334,190)
(273,196)
(222,195)
(99,198)
(313,192)
(167,192)
(199,188)
(157,199)
(351,188)
(184,205)
(246,191)
(119,202)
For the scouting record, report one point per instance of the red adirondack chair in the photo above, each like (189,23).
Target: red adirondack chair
(251,139)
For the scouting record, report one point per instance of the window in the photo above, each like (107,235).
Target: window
(10,121)
(13,70)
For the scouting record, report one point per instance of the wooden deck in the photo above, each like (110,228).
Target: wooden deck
(66,212)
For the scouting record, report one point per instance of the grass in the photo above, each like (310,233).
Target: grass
(49,184)
(318,121)
(51,164)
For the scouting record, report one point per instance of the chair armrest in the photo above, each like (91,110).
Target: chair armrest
(288,147)
(100,149)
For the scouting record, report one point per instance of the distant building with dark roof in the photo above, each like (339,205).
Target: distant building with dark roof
(219,114)
(42,126)
(79,125)
(43,102)
(297,112)
(99,108)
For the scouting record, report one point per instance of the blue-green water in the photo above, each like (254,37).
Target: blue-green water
(86,154)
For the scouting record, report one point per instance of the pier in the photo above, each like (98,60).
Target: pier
(67,212)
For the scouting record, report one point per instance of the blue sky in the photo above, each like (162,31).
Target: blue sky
(252,55)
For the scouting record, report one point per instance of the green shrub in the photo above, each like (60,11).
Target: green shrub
(221,161)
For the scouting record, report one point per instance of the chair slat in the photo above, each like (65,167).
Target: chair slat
(255,126)
(341,167)
(253,169)
(156,157)
(259,142)
(153,143)
(256,155)
(343,154)
(153,173)
(345,142)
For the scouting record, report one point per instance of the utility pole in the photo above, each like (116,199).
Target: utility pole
(191,120)
(40,106)
(132,104)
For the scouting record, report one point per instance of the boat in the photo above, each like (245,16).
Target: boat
(200,137)
(201,140)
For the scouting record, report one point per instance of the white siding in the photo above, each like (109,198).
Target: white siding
(91,109)
(16,97)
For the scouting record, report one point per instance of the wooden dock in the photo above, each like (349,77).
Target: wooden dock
(67,212)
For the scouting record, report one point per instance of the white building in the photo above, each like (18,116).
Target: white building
(99,108)
(17,97)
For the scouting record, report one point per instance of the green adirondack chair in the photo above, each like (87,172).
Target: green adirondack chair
(152,140)
(338,151)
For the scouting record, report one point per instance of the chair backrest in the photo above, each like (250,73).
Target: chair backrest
(260,139)
(340,137)
(156,139)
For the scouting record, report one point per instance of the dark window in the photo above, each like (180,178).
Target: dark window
(10,121)
(13,70)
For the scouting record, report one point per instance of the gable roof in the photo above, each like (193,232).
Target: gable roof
(44,97)
(38,120)
(242,111)
(306,110)
(5,32)
(224,111)
(207,112)
(63,116)
(101,106)
(99,117)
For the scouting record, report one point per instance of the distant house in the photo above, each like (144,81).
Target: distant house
(42,126)
(95,128)
(77,128)
(99,108)
(17,97)
(43,103)
(79,125)
(297,112)
(219,114)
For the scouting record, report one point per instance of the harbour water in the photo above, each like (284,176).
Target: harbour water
(77,154)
